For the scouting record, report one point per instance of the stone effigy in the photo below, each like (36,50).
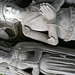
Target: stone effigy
(37,19)
(45,17)
(8,29)
(50,62)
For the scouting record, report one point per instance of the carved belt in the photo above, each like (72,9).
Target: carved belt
(72,23)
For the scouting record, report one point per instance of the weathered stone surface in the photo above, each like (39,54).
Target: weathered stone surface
(52,60)
(45,22)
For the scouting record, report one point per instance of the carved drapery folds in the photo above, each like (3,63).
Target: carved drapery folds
(39,57)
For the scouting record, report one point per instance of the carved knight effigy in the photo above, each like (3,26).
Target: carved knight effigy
(52,62)
(36,19)
(44,17)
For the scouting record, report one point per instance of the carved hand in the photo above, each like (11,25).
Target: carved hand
(47,11)
(52,41)
(26,30)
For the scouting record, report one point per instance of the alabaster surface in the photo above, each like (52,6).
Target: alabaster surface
(44,17)
(47,59)
(45,22)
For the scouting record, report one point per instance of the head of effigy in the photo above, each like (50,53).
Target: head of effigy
(11,11)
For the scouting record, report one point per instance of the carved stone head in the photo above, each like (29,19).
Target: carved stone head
(11,11)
